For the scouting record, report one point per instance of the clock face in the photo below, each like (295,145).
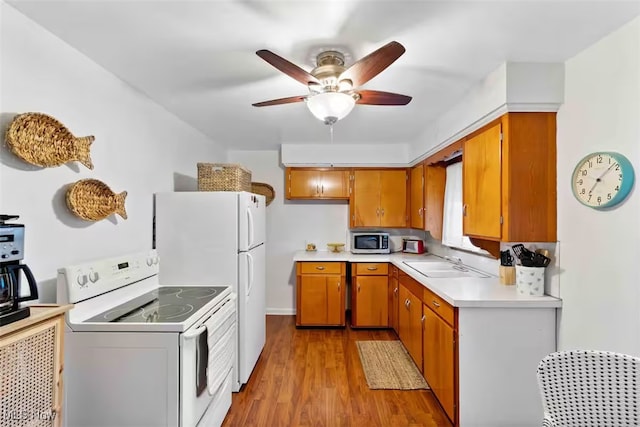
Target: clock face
(602,180)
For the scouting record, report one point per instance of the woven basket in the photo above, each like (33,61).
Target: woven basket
(223,177)
(265,189)
(93,200)
(43,141)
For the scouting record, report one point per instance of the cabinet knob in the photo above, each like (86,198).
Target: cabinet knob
(436,304)
(358,288)
(319,267)
(338,286)
(420,212)
(395,291)
(322,189)
(382,212)
(464,210)
(372,268)
(378,212)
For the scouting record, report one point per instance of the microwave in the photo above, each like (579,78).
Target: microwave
(370,243)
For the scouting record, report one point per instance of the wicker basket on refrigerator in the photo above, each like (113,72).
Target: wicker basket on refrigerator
(223,177)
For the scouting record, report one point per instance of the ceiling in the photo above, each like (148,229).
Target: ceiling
(197,58)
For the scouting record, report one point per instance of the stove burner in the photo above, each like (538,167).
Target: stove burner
(168,291)
(112,315)
(196,293)
(165,312)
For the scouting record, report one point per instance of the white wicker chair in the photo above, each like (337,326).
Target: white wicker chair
(585,388)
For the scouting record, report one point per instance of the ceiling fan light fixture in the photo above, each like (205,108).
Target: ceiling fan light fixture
(330,106)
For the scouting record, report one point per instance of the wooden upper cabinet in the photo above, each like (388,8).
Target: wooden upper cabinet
(509,179)
(434,180)
(310,183)
(379,198)
(481,184)
(416,217)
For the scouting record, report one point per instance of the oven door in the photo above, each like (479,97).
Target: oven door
(207,352)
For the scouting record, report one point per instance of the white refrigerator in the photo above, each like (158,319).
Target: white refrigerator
(218,238)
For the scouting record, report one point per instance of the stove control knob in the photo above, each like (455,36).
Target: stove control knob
(149,262)
(82,279)
(4,256)
(93,276)
(155,260)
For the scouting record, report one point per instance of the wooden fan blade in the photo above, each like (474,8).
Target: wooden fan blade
(371,65)
(376,97)
(290,69)
(288,100)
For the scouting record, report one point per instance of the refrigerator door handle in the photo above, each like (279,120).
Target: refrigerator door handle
(250,267)
(250,221)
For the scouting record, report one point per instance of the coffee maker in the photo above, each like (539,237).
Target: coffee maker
(11,253)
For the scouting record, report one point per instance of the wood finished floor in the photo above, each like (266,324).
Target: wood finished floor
(313,377)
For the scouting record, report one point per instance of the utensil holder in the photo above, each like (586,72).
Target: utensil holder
(507,275)
(530,280)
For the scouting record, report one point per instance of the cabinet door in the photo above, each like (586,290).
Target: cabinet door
(393,299)
(320,300)
(366,198)
(410,324)
(417,197)
(370,301)
(439,360)
(481,175)
(334,184)
(335,300)
(434,180)
(303,184)
(393,198)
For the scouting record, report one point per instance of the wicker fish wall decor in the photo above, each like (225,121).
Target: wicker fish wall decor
(43,141)
(93,200)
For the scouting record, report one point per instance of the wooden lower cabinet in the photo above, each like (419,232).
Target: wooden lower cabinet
(394,297)
(410,324)
(320,293)
(31,351)
(369,295)
(439,340)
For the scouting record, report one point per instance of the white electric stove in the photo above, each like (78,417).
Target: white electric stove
(140,354)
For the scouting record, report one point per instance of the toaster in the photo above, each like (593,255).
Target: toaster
(413,246)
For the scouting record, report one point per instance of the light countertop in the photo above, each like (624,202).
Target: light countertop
(459,292)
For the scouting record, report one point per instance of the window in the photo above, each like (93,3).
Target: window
(452,215)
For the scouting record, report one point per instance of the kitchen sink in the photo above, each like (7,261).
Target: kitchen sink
(443,269)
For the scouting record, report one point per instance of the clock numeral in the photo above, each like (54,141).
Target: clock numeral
(582,191)
(620,177)
(599,199)
(609,160)
(584,172)
(580,181)
(617,167)
(617,188)
(589,199)
(599,159)
(590,164)
(608,196)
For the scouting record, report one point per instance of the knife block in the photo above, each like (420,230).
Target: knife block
(507,275)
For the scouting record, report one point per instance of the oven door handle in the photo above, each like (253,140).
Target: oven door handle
(190,334)
(197,331)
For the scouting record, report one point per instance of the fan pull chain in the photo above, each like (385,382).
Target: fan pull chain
(331,133)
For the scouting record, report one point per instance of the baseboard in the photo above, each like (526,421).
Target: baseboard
(281,311)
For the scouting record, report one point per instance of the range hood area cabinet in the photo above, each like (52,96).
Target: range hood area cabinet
(509,179)
(379,198)
(317,183)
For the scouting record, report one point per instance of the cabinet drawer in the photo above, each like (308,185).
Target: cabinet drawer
(439,306)
(372,269)
(320,267)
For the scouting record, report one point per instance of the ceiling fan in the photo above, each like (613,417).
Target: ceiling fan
(333,88)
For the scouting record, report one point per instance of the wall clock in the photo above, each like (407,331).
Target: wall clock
(603,179)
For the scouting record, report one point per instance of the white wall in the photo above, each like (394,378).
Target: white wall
(520,86)
(290,224)
(600,284)
(345,154)
(139,147)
